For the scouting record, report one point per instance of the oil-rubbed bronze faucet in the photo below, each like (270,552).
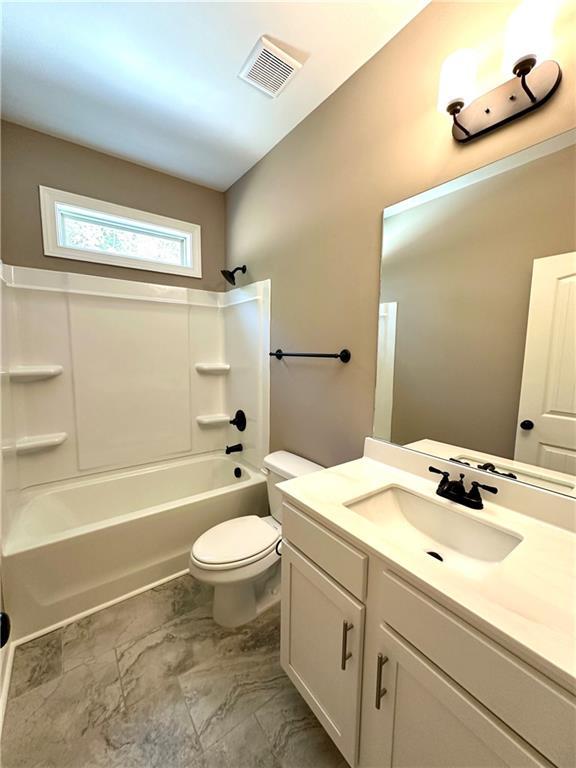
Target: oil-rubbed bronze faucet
(454,490)
(234,448)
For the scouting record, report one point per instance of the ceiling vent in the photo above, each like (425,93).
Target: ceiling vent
(269,68)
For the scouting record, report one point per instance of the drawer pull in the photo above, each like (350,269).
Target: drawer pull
(380,692)
(346,654)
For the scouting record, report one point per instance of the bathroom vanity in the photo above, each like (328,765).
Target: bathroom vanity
(423,633)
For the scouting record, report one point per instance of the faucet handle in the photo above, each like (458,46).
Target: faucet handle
(445,478)
(489,488)
(459,461)
(439,472)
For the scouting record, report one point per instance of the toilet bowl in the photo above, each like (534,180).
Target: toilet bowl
(241,557)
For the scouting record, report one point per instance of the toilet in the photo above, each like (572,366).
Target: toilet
(241,557)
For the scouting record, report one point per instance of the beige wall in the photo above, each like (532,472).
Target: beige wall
(30,158)
(460,269)
(309,214)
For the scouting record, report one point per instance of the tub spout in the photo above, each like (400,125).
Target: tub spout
(234,448)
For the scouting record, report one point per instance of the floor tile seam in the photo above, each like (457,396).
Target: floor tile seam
(237,725)
(275,753)
(194,728)
(226,735)
(261,727)
(120,681)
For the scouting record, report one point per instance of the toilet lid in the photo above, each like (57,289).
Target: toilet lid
(235,540)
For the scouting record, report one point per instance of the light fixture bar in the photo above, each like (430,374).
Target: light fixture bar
(532,87)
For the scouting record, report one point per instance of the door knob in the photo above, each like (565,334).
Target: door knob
(527,424)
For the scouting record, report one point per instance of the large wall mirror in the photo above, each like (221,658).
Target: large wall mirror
(477,319)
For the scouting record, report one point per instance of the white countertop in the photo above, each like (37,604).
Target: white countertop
(527,602)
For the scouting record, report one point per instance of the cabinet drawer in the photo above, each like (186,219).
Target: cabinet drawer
(344,563)
(533,706)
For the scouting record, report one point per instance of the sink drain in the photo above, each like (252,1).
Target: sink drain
(436,555)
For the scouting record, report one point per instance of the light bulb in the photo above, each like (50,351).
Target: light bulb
(458,78)
(530,32)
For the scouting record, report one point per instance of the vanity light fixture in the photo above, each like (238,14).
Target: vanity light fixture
(513,99)
(529,29)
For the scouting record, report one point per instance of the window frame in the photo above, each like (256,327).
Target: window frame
(51,198)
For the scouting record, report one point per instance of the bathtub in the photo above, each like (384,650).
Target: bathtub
(76,545)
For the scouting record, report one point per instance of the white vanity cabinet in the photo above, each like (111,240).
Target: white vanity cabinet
(322,643)
(422,688)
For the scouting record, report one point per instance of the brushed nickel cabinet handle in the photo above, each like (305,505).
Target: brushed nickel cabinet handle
(380,692)
(346,654)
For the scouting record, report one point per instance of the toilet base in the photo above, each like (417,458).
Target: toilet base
(241,602)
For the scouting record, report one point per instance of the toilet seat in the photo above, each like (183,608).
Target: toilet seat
(235,543)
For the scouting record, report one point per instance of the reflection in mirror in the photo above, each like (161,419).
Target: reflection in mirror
(477,319)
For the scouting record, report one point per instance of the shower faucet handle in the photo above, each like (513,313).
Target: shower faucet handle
(239,421)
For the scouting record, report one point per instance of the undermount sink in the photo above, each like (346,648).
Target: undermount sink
(428,527)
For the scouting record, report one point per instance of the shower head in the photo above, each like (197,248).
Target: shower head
(228,274)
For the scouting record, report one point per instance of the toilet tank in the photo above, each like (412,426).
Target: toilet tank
(282,465)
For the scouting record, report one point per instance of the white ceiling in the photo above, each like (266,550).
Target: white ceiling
(156,83)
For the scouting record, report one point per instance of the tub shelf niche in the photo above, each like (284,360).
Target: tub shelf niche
(214,369)
(213,420)
(40,442)
(27,373)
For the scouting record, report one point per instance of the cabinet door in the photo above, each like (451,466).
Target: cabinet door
(321,647)
(415,716)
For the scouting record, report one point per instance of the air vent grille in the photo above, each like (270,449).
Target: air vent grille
(269,68)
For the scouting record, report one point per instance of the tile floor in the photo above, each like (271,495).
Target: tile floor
(153,682)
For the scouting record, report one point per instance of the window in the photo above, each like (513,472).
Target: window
(81,228)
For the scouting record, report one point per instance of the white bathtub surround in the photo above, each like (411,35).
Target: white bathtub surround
(78,544)
(128,364)
(110,474)
(7,477)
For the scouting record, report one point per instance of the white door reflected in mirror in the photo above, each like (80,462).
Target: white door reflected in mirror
(548,397)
